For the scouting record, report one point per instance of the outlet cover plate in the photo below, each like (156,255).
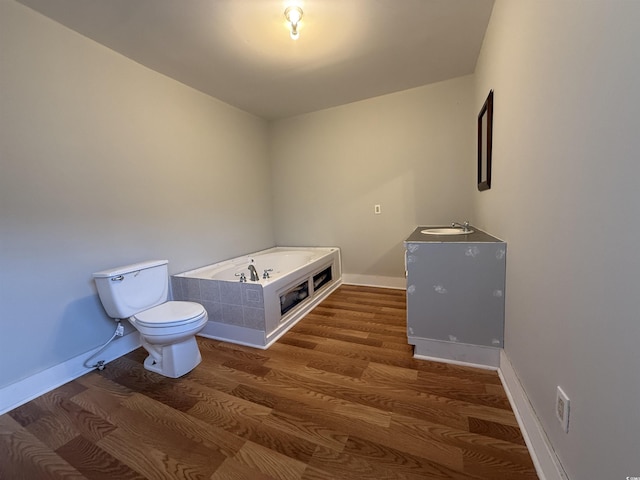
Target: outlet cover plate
(562,409)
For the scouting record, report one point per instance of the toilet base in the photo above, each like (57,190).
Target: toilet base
(173,360)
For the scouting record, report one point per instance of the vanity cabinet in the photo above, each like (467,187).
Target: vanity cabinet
(455,296)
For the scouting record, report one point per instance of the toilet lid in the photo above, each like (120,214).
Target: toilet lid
(170,314)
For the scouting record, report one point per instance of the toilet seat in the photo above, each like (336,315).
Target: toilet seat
(170,314)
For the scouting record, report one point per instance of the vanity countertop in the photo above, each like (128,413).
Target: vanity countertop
(478,236)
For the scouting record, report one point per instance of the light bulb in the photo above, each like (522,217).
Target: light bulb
(293,15)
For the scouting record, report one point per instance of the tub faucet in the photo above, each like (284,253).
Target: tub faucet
(464,226)
(254,274)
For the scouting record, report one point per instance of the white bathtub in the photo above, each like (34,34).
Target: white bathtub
(257,313)
(280,261)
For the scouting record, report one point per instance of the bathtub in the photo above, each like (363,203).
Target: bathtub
(292,280)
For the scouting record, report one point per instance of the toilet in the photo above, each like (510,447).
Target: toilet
(139,293)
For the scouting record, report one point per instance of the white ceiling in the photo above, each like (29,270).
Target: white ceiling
(240,52)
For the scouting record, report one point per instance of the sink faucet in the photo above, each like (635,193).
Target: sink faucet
(254,274)
(464,226)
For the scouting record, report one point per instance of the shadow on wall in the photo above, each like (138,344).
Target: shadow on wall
(84,318)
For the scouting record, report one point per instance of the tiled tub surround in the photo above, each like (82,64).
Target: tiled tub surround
(257,313)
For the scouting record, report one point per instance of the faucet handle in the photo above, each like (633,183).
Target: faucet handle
(464,226)
(242,276)
(266,272)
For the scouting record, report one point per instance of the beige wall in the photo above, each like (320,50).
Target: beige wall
(104,162)
(411,152)
(565,197)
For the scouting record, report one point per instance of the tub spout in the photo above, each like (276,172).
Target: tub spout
(254,273)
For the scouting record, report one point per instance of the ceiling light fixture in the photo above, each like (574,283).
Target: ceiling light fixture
(293,14)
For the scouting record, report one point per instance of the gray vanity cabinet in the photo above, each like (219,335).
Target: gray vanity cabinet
(455,296)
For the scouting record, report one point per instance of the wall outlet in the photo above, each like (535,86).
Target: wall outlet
(377,210)
(562,409)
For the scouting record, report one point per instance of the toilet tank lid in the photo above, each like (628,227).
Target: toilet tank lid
(114,272)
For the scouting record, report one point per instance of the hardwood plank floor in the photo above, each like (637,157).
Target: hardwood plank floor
(338,397)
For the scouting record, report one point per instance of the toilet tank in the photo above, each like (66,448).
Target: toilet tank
(125,291)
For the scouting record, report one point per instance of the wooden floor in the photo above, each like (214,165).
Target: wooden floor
(338,397)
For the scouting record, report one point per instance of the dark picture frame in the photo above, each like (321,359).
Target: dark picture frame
(485,143)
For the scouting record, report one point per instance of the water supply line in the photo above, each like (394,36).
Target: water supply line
(119,332)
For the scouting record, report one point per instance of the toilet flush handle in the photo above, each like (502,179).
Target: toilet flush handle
(119,278)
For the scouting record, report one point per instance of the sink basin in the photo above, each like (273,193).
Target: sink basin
(446,231)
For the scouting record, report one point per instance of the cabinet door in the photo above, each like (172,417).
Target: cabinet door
(455,292)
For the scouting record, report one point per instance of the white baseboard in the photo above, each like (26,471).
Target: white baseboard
(453,352)
(399,283)
(455,362)
(233,334)
(548,466)
(22,391)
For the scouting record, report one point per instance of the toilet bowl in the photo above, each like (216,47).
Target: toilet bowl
(139,293)
(169,338)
